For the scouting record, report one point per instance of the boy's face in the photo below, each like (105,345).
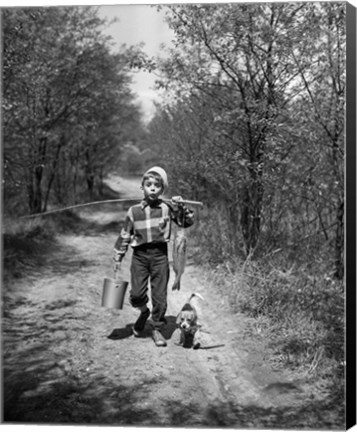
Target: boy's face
(152,188)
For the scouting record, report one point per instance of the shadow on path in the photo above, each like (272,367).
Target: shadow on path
(97,401)
(125,332)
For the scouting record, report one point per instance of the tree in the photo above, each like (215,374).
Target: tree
(234,60)
(265,84)
(63,88)
(322,69)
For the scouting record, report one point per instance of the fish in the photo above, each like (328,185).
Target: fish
(179,254)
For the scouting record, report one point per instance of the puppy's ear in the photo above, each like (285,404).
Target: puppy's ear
(178,318)
(194,318)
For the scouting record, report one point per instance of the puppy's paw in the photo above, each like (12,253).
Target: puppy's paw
(196,343)
(176,337)
(197,340)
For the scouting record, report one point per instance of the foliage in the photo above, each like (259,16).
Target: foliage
(67,106)
(255,118)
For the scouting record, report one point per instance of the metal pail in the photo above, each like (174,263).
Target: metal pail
(114,293)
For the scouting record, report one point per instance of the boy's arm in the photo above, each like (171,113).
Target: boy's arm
(123,241)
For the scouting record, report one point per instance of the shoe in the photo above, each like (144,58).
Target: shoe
(139,325)
(159,339)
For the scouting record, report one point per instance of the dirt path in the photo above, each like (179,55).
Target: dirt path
(68,360)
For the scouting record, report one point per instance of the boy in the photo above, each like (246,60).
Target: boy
(147,228)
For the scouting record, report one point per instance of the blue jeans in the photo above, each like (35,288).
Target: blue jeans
(150,263)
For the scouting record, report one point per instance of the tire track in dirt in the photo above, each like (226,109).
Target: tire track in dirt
(69,360)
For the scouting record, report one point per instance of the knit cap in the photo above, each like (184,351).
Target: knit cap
(161,172)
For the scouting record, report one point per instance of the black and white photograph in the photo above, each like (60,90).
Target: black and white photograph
(179,215)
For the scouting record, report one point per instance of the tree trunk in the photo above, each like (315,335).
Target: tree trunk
(74,183)
(252,199)
(251,207)
(30,193)
(339,242)
(35,195)
(90,184)
(53,172)
(101,182)
(89,175)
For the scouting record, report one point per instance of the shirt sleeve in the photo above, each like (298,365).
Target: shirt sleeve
(126,233)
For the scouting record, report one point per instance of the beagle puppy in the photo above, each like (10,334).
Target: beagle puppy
(187,322)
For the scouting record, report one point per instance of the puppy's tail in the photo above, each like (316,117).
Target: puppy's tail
(195,295)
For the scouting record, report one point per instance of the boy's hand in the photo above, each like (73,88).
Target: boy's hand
(117,266)
(117,261)
(177,200)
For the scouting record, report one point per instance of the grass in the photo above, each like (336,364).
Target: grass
(26,242)
(296,304)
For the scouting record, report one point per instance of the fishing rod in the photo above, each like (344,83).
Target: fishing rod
(169,201)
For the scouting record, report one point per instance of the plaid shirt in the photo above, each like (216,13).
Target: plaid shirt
(150,224)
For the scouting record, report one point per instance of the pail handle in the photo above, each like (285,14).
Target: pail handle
(116,275)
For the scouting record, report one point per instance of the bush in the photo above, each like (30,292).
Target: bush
(297,305)
(214,236)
